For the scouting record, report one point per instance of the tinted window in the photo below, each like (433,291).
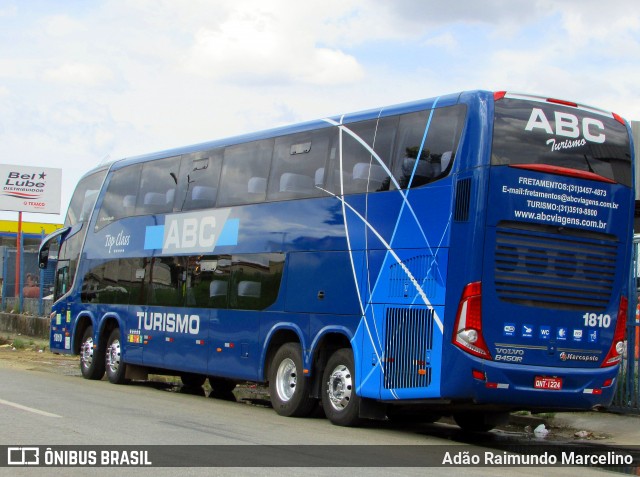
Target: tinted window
(244,282)
(531,132)
(120,198)
(104,284)
(158,186)
(166,277)
(244,173)
(255,281)
(299,162)
(84,198)
(208,284)
(198,181)
(359,169)
(438,151)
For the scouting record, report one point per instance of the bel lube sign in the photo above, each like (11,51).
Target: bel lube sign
(30,189)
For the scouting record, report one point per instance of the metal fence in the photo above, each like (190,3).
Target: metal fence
(627,397)
(32,294)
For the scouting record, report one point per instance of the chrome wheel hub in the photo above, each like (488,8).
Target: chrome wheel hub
(86,353)
(113,356)
(286,379)
(340,387)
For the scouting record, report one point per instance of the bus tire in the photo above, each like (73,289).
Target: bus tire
(221,385)
(340,402)
(91,359)
(115,367)
(289,388)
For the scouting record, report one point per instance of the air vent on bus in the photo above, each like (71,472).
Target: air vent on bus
(551,267)
(421,268)
(407,348)
(463,200)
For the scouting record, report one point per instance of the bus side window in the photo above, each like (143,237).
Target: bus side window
(255,281)
(208,281)
(158,186)
(198,180)
(244,173)
(120,198)
(438,151)
(166,277)
(62,279)
(296,160)
(361,170)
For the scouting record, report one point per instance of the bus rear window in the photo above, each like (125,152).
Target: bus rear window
(532,132)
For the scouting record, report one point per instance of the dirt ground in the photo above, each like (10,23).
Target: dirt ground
(26,352)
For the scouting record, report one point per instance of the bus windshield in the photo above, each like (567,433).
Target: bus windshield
(528,132)
(84,198)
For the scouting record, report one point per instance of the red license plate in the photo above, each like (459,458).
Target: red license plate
(546,382)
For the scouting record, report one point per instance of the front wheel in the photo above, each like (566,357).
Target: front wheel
(116,368)
(289,388)
(91,360)
(340,402)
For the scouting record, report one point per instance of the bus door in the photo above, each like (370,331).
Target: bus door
(61,328)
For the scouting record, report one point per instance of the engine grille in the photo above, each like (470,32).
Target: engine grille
(407,351)
(545,266)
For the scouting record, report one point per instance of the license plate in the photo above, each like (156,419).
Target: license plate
(546,382)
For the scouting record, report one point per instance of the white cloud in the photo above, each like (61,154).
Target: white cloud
(79,73)
(277,46)
(62,25)
(446,40)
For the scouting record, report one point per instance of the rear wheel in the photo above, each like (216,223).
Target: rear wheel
(116,368)
(91,359)
(340,402)
(288,387)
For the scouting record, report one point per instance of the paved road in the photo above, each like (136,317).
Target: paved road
(40,408)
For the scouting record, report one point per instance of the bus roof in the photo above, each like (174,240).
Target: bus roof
(445,100)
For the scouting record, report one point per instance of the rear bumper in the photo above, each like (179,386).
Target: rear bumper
(512,386)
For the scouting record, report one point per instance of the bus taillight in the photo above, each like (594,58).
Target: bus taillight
(617,345)
(468,328)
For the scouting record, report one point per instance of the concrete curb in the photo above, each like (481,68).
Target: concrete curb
(36,326)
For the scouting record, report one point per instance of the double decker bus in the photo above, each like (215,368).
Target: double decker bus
(464,255)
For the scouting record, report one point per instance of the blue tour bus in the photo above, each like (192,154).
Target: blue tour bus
(463,255)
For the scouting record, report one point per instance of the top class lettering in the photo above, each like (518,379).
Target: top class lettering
(119,240)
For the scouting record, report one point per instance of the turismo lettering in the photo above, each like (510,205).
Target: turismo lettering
(169,322)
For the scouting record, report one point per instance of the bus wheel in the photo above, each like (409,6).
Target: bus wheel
(288,387)
(190,380)
(116,368)
(221,385)
(480,421)
(340,402)
(91,360)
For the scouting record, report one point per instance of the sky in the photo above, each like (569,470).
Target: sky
(88,81)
